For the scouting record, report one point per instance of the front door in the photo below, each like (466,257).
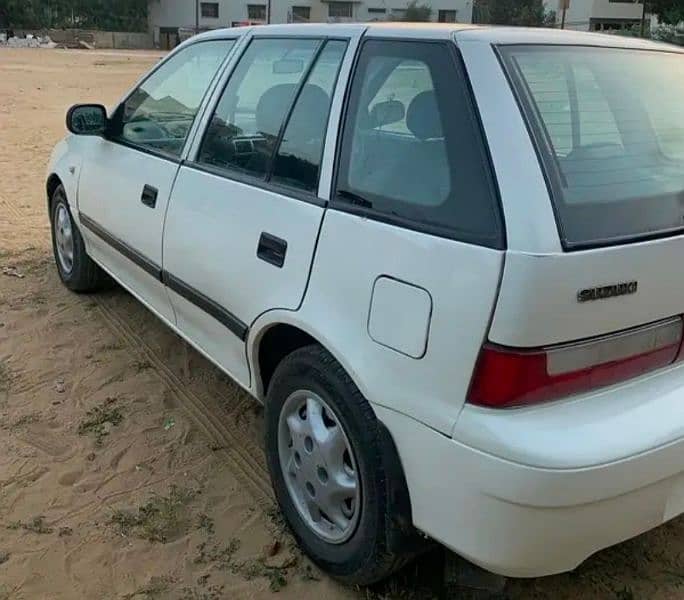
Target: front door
(251,194)
(127,176)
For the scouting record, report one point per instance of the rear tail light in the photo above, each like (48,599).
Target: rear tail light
(506,377)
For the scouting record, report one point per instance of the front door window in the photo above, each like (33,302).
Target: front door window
(158,115)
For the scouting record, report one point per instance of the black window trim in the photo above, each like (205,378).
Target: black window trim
(543,149)
(186,144)
(498,241)
(265,182)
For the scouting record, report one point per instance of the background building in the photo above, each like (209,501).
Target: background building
(598,15)
(172,20)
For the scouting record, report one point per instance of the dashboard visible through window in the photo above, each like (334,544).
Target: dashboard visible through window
(271,119)
(244,129)
(158,115)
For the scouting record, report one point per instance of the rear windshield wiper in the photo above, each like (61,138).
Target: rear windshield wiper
(354,198)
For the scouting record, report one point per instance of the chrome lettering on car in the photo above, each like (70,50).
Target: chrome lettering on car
(607,291)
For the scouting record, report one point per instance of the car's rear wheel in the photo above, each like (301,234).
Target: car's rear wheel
(76,269)
(325,458)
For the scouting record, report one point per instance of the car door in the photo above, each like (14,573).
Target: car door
(127,176)
(250,189)
(410,252)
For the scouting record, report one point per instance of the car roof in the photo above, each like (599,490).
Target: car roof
(488,34)
(530,35)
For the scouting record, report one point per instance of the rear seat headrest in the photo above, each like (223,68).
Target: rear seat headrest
(422,117)
(272,106)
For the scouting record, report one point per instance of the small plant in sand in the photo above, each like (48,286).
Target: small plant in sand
(212,592)
(220,556)
(142,365)
(35,525)
(275,565)
(5,377)
(100,420)
(27,420)
(206,523)
(161,519)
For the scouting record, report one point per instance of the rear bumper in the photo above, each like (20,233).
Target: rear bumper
(526,521)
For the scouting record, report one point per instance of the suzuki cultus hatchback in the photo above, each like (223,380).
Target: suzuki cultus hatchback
(445,258)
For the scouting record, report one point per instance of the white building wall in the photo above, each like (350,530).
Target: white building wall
(581,13)
(181,13)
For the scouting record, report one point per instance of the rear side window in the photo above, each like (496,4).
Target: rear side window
(412,152)
(298,160)
(609,125)
(244,129)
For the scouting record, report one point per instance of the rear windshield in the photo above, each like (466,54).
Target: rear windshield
(609,125)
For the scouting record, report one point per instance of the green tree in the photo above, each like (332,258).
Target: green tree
(417,12)
(668,11)
(530,13)
(123,15)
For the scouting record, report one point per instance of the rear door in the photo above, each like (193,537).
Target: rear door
(411,249)
(245,214)
(127,176)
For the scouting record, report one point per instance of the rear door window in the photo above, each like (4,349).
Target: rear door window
(298,160)
(609,126)
(244,129)
(412,152)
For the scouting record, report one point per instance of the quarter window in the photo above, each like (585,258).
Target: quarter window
(412,152)
(298,160)
(244,129)
(158,115)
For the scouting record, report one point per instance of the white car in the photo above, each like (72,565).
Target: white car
(444,257)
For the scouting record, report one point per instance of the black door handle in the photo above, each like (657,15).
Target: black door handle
(272,249)
(149,196)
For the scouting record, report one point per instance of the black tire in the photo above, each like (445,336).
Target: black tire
(84,275)
(378,546)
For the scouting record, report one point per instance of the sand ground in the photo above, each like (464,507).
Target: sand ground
(129,466)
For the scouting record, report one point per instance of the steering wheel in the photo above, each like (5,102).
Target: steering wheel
(143,131)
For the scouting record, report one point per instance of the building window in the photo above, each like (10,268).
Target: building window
(340,10)
(209,10)
(377,12)
(256,12)
(446,16)
(301,13)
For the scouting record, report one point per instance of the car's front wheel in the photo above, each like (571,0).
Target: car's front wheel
(324,451)
(76,269)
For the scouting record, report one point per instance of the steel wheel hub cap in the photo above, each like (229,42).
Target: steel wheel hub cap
(319,467)
(64,238)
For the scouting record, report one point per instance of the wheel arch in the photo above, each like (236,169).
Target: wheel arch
(270,330)
(52,183)
(263,342)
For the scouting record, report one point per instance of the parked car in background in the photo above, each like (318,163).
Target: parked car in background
(444,257)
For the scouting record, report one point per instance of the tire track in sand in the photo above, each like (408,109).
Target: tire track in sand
(240,451)
(11,208)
